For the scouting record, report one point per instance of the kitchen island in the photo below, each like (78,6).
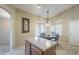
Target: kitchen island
(40,46)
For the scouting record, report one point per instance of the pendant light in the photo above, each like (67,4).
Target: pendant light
(47,19)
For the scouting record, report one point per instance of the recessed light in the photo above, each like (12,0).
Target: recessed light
(39,6)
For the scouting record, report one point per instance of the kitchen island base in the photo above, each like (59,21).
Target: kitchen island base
(32,49)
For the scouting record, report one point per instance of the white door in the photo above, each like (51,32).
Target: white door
(74,32)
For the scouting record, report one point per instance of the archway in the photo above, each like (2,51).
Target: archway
(5,34)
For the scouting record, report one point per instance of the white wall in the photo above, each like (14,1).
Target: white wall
(74,32)
(4,31)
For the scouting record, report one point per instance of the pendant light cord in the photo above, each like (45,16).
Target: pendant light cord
(47,16)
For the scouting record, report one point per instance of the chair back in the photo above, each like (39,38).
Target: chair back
(57,37)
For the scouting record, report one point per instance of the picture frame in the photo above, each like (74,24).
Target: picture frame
(25,25)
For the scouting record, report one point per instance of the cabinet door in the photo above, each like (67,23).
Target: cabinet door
(36,49)
(27,48)
(50,51)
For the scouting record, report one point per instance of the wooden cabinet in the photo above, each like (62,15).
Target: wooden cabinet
(33,52)
(27,48)
(36,49)
(31,49)
(50,51)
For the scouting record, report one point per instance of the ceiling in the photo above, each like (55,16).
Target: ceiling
(54,9)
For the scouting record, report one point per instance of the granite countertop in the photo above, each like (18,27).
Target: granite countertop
(41,43)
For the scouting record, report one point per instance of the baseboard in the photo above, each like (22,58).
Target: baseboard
(1,43)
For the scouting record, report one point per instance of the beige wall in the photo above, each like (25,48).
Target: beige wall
(64,18)
(19,36)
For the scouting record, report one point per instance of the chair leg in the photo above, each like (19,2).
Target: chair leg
(57,42)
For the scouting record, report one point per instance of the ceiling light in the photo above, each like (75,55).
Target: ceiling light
(39,6)
(47,20)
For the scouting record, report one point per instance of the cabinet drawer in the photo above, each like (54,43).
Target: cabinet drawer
(33,52)
(27,48)
(37,50)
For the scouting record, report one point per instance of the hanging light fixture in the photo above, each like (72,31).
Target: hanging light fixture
(47,19)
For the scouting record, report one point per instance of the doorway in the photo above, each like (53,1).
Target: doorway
(4,31)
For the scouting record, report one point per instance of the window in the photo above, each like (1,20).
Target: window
(39,28)
(56,28)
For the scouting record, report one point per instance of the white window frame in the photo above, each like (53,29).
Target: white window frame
(60,34)
(39,28)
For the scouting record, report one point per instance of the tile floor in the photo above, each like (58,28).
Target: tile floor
(4,48)
(17,51)
(67,49)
